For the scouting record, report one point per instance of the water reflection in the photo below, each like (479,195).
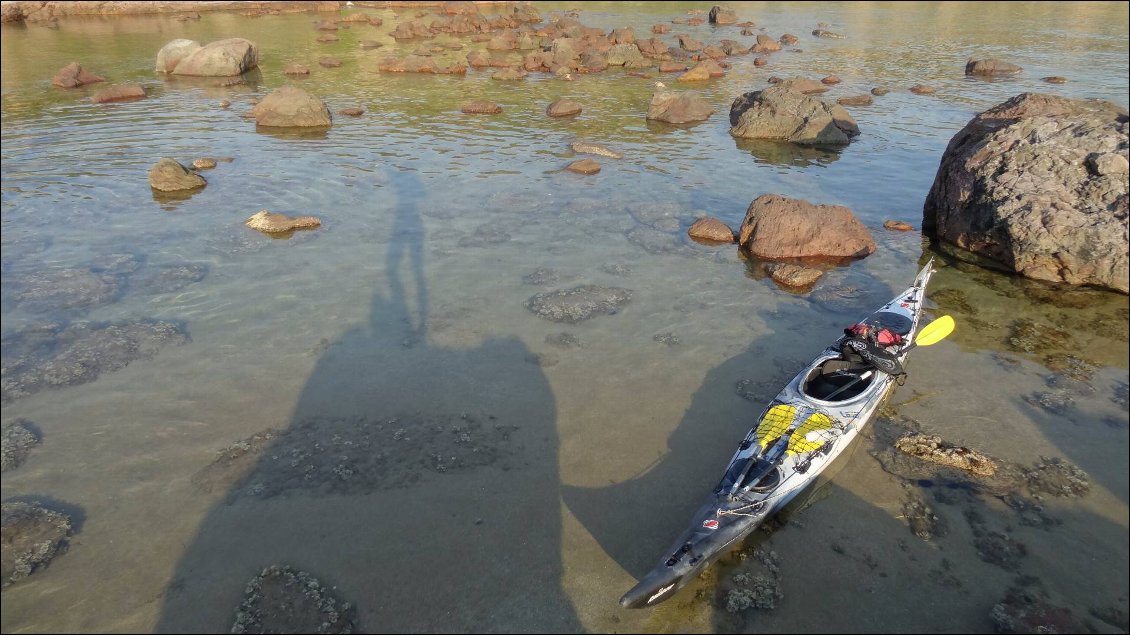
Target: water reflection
(788,154)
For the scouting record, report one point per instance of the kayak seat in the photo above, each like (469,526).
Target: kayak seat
(833,375)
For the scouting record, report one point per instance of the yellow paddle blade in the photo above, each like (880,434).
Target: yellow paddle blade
(775,423)
(809,436)
(935,331)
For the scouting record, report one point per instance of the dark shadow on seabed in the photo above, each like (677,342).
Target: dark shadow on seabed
(421,483)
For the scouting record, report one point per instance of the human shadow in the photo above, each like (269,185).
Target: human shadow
(420,481)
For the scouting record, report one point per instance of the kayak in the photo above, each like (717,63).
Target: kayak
(803,429)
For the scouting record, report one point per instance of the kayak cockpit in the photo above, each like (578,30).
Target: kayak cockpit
(837,379)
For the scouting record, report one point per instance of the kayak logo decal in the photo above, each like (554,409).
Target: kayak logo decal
(710,524)
(660,592)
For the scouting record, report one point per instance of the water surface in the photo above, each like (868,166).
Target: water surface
(446,459)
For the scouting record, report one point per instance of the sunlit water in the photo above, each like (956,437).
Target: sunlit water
(490,474)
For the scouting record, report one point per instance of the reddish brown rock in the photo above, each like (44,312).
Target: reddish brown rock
(660,29)
(712,229)
(295,69)
(898,225)
(123,92)
(481,108)
(765,44)
(856,100)
(879,91)
(922,89)
(760,61)
(672,67)
(354,111)
(788,39)
(776,226)
(1055,79)
(563,108)
(73,75)
(584,166)
(830,80)
(329,62)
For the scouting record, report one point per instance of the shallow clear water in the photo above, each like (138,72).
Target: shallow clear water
(489,476)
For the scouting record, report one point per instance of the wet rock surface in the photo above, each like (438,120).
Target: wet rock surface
(16,443)
(672,107)
(291,107)
(168,175)
(124,92)
(581,147)
(54,356)
(757,584)
(274,223)
(711,229)
(73,75)
(32,536)
(323,455)
(932,448)
(782,113)
(285,600)
(222,58)
(579,303)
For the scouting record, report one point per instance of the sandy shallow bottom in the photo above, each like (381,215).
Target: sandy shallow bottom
(373,402)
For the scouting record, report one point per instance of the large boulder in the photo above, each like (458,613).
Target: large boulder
(222,58)
(1038,184)
(174,53)
(290,107)
(780,227)
(672,107)
(722,15)
(784,114)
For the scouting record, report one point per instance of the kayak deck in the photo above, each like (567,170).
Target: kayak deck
(802,431)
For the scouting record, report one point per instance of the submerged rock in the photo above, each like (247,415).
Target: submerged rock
(1038,184)
(1022,611)
(50,356)
(579,303)
(933,449)
(794,276)
(779,227)
(285,600)
(563,108)
(481,108)
(168,175)
(74,290)
(581,147)
(124,92)
(17,441)
(32,536)
(584,166)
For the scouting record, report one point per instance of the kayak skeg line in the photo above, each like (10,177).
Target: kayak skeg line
(805,427)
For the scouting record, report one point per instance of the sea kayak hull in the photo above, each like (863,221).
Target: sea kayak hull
(814,419)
